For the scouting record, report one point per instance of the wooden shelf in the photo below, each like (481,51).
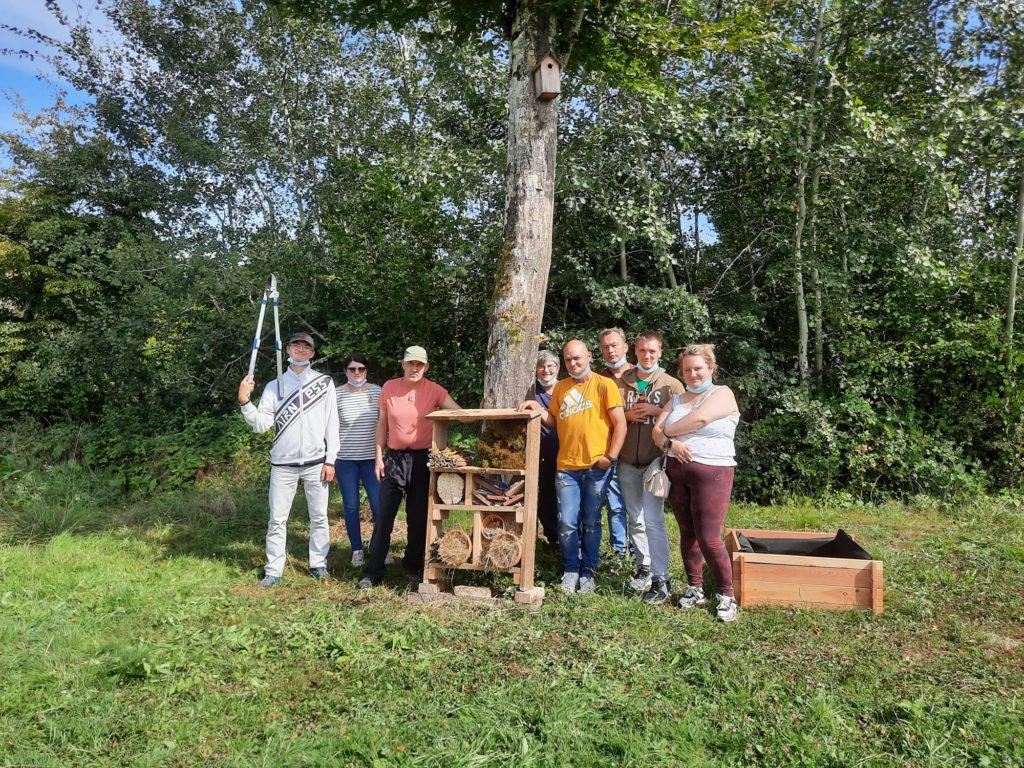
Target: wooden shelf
(477,508)
(480,471)
(523,511)
(482,414)
(469,567)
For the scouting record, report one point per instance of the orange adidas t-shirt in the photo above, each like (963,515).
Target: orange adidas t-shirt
(581,418)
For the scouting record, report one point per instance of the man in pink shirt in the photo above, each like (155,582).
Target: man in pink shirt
(404,428)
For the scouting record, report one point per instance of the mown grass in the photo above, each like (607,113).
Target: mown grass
(135,635)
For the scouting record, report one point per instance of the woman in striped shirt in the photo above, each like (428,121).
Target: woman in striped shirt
(357,424)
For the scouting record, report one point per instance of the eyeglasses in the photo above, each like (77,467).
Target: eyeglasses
(356,368)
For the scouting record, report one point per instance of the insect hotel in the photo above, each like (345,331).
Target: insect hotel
(502,500)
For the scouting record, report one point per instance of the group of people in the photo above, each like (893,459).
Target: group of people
(600,433)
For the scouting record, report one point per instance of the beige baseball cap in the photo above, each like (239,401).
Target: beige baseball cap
(415,354)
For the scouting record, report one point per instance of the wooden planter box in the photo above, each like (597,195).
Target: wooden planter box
(802,581)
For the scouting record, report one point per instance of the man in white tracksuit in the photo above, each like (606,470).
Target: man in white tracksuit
(305,416)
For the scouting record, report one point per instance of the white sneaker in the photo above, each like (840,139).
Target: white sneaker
(570,580)
(727,608)
(357,557)
(691,597)
(388,559)
(641,582)
(587,585)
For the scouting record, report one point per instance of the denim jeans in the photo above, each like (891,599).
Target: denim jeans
(580,494)
(349,472)
(617,529)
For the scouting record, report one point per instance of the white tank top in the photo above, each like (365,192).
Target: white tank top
(713,443)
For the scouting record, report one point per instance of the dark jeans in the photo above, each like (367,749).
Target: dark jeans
(405,475)
(349,473)
(700,499)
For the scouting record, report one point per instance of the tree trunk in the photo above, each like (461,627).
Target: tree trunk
(522,272)
(801,201)
(1011,301)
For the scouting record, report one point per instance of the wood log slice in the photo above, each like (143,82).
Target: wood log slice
(450,487)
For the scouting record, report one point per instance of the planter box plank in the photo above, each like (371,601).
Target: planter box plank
(800,581)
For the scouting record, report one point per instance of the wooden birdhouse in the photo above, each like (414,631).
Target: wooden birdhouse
(547,78)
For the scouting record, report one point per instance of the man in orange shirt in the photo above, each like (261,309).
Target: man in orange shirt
(586,411)
(404,428)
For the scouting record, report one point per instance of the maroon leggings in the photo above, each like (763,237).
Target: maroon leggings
(700,498)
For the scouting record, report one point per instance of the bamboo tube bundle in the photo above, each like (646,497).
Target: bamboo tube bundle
(447,458)
(454,548)
(450,487)
(504,552)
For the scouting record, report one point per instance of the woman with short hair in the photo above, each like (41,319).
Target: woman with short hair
(698,428)
(357,425)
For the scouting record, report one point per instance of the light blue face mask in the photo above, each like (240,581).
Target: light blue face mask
(299,363)
(586,372)
(650,370)
(621,362)
(355,382)
(545,384)
(697,390)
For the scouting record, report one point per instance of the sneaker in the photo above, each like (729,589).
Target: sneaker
(357,557)
(366,583)
(320,574)
(691,597)
(642,580)
(587,585)
(570,580)
(269,581)
(388,559)
(659,592)
(727,608)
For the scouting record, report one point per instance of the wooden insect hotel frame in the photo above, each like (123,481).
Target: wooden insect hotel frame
(519,506)
(801,581)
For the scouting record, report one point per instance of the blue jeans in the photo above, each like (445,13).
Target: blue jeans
(349,473)
(580,494)
(617,530)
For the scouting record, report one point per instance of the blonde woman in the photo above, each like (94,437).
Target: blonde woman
(698,428)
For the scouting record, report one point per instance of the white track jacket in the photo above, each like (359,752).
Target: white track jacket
(305,418)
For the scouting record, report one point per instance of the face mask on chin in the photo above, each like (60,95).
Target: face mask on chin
(583,374)
(616,365)
(650,370)
(299,363)
(701,388)
(356,382)
(545,383)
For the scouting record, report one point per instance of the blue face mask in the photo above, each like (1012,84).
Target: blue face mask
(299,363)
(650,370)
(542,384)
(697,390)
(355,382)
(586,372)
(615,366)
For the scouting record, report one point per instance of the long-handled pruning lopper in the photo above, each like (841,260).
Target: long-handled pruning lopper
(270,294)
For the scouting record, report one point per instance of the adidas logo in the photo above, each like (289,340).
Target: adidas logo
(573,404)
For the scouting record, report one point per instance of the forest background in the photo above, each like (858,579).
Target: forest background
(832,192)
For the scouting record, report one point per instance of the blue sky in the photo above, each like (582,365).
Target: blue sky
(33,81)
